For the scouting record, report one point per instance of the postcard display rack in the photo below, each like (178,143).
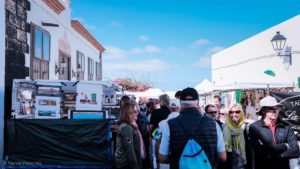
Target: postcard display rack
(33,101)
(46,99)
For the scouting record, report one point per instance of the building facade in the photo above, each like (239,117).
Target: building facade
(253,63)
(43,42)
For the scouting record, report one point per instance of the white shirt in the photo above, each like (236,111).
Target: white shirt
(163,123)
(165,141)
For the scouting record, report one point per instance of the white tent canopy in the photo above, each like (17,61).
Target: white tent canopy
(204,87)
(150,93)
(248,85)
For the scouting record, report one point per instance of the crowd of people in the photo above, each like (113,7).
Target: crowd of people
(155,136)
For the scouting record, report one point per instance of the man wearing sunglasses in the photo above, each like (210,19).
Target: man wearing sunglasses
(213,112)
(274,142)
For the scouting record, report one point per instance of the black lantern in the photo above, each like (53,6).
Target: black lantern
(278,43)
(60,69)
(77,73)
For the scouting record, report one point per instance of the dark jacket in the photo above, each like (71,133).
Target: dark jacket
(128,148)
(270,155)
(159,115)
(206,135)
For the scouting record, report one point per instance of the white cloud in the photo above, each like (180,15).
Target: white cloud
(143,38)
(137,51)
(115,24)
(198,43)
(113,52)
(146,49)
(205,59)
(153,65)
(152,49)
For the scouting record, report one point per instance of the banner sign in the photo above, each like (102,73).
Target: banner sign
(291,110)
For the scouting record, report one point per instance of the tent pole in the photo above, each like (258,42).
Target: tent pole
(268,89)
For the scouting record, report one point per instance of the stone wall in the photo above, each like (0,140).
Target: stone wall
(15,45)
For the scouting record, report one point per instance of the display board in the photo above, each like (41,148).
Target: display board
(89,97)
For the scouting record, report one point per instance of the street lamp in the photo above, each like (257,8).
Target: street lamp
(60,69)
(77,73)
(278,43)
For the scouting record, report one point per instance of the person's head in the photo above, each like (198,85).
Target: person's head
(236,114)
(269,108)
(178,94)
(175,105)
(124,99)
(222,114)
(189,98)
(217,101)
(128,113)
(211,111)
(150,106)
(164,100)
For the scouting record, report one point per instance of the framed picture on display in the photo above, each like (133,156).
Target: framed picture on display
(47,107)
(49,90)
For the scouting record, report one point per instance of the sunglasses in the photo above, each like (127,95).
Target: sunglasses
(222,114)
(212,112)
(274,109)
(236,112)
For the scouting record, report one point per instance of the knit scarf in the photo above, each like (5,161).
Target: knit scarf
(234,139)
(142,146)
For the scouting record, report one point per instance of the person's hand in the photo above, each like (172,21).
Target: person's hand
(287,145)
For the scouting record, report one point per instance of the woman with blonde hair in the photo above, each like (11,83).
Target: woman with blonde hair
(235,139)
(130,149)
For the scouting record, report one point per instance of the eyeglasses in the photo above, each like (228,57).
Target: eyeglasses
(236,112)
(222,114)
(273,109)
(212,112)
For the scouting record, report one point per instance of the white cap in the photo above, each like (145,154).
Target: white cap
(175,103)
(268,101)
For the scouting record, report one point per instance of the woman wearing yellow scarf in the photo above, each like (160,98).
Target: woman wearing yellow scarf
(235,138)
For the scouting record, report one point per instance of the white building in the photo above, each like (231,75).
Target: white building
(55,39)
(245,65)
(40,41)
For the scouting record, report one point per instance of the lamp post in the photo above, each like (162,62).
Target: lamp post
(77,73)
(60,69)
(278,43)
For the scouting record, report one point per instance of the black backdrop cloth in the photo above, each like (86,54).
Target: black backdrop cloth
(58,142)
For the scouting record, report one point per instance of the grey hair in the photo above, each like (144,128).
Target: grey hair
(189,103)
(164,99)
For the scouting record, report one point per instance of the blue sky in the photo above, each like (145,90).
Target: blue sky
(169,42)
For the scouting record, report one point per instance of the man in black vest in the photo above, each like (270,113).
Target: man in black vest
(209,134)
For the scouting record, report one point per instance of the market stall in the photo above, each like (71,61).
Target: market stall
(60,124)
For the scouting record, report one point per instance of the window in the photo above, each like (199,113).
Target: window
(40,55)
(98,71)
(90,69)
(81,63)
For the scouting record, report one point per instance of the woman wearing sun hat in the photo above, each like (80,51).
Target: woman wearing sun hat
(273,141)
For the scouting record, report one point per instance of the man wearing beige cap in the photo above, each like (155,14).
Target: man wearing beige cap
(273,140)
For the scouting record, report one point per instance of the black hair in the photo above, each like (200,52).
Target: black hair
(178,94)
(208,106)
(124,99)
(218,97)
